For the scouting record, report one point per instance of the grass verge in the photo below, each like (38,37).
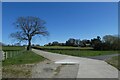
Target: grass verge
(114,61)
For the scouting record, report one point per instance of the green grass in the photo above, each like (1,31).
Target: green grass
(82,53)
(114,61)
(12,48)
(62,47)
(15,66)
(75,51)
(26,58)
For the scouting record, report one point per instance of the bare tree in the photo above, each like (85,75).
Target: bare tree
(27,28)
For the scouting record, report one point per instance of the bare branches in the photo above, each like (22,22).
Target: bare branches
(19,36)
(29,27)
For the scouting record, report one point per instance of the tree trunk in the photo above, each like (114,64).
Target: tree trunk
(29,45)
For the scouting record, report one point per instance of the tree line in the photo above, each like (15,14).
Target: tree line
(108,42)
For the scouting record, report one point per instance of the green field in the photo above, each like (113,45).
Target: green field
(12,51)
(114,61)
(62,48)
(75,51)
(23,57)
(12,48)
(82,53)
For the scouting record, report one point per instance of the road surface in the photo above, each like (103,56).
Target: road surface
(88,68)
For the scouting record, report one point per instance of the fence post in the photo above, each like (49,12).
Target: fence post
(11,54)
(14,53)
(6,55)
(2,55)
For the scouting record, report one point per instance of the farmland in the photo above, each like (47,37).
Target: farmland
(62,48)
(75,51)
(12,48)
(82,53)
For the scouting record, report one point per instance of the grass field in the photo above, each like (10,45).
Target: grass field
(26,58)
(62,48)
(75,51)
(12,48)
(82,53)
(12,51)
(16,66)
(114,61)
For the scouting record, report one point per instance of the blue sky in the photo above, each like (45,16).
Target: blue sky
(83,20)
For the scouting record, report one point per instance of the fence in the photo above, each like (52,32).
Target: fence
(11,54)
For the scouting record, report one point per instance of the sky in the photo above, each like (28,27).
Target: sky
(64,20)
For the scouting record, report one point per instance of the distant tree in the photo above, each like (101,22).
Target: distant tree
(29,27)
(70,42)
(77,42)
(37,45)
(112,42)
(108,39)
(55,43)
(49,44)
(83,43)
(63,44)
(96,43)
